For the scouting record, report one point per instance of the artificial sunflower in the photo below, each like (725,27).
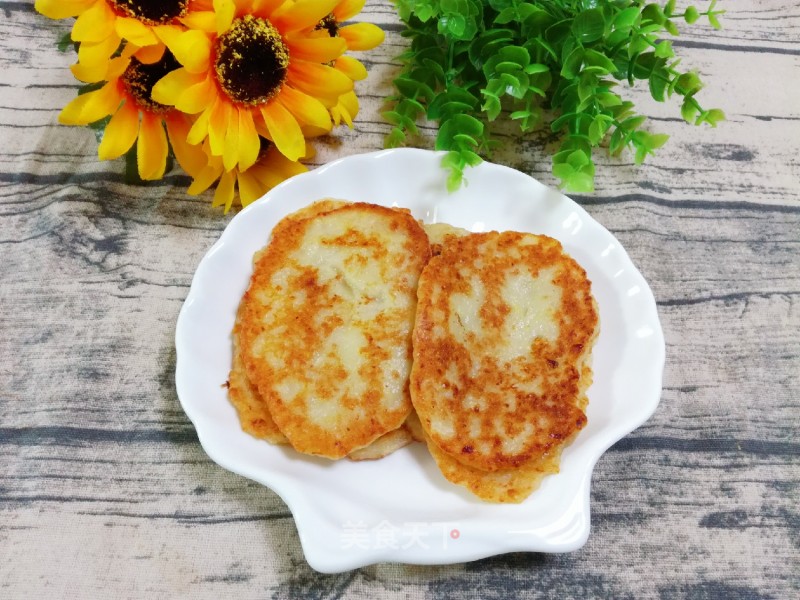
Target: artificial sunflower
(270,169)
(135,117)
(102,25)
(254,67)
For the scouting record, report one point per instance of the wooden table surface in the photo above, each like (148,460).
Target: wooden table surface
(105,491)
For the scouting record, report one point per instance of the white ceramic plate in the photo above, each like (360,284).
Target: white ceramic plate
(400,508)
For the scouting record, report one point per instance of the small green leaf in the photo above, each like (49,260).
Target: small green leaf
(688,84)
(588,25)
(506,16)
(395,138)
(653,12)
(597,59)
(656,140)
(465,140)
(535,68)
(608,99)
(658,84)
(664,49)
(572,64)
(691,15)
(712,117)
(632,123)
(627,18)
(491,105)
(459,124)
(671,28)
(689,110)
(413,89)
(65,42)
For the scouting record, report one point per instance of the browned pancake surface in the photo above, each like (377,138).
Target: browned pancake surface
(505,323)
(326,324)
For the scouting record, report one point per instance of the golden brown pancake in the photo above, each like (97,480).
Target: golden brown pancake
(326,324)
(256,419)
(253,412)
(504,485)
(505,323)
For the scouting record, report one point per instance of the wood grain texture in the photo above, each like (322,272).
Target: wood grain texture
(106,493)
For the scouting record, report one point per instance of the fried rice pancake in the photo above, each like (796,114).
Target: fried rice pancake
(504,485)
(326,325)
(505,323)
(257,420)
(254,414)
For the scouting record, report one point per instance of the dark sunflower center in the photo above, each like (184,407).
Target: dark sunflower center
(139,79)
(152,12)
(330,24)
(251,61)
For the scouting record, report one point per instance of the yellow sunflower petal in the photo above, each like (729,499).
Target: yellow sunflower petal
(199,130)
(284,130)
(62,9)
(90,73)
(150,54)
(230,154)
(135,31)
(276,168)
(362,36)
(303,14)
(305,108)
(205,178)
(250,188)
(321,81)
(201,5)
(196,97)
(312,132)
(120,133)
(249,144)
(225,192)
(151,147)
(92,106)
(347,9)
(218,124)
(168,34)
(169,89)
(351,67)
(346,109)
(94,24)
(265,8)
(93,54)
(192,49)
(118,65)
(191,158)
(322,49)
(225,11)
(202,20)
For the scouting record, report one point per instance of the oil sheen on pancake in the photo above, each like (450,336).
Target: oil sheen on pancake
(504,326)
(326,326)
